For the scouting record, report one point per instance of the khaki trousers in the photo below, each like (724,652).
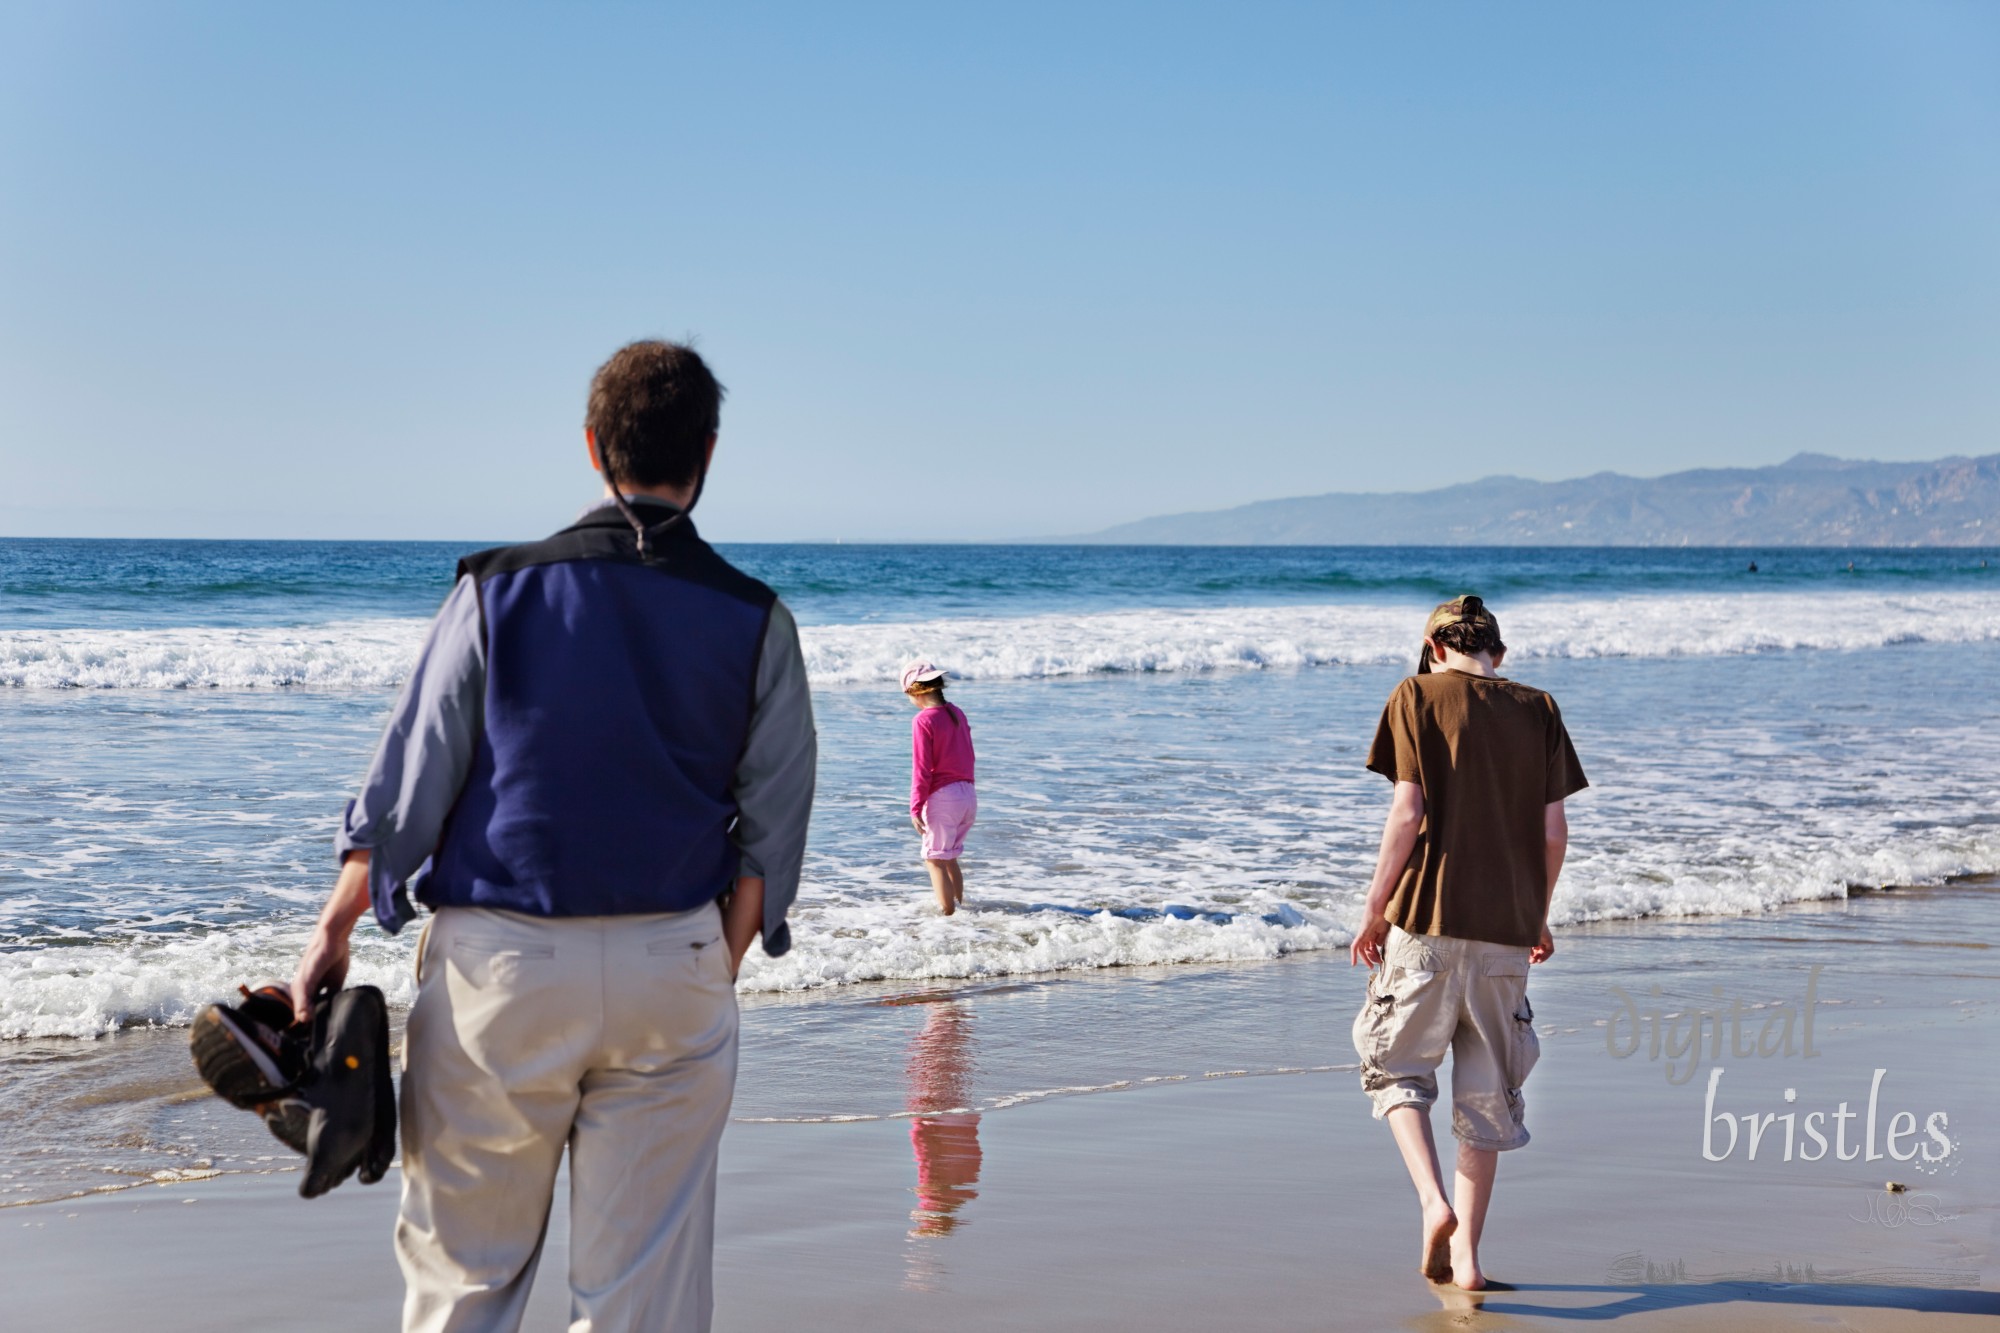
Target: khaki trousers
(612,1036)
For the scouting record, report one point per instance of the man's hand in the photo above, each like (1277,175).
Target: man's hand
(1544,948)
(324,966)
(1367,946)
(744,919)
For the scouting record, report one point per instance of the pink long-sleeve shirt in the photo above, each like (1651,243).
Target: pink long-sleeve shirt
(941,752)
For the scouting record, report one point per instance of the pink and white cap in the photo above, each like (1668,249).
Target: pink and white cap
(921,670)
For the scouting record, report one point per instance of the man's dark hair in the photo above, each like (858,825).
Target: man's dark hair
(653,407)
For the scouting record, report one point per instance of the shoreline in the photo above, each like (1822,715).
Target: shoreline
(1233,1200)
(175,1132)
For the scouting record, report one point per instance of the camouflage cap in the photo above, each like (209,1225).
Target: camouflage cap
(1462,610)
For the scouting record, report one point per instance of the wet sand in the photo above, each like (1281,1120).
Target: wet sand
(1270,1202)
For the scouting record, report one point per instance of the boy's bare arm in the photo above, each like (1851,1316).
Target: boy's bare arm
(1555,836)
(1399,839)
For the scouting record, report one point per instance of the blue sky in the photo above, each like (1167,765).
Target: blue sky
(999,271)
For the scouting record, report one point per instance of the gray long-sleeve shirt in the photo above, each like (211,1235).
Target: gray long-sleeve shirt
(426,752)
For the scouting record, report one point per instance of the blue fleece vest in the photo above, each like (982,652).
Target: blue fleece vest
(618,699)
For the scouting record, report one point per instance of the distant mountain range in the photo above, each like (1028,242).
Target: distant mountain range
(1809,500)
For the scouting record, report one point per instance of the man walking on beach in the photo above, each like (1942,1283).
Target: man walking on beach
(598,777)
(1457,911)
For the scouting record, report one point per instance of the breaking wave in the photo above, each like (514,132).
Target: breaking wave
(376,654)
(842,938)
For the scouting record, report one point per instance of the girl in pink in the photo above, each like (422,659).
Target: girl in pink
(942,802)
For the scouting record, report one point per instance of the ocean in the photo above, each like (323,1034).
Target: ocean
(1170,747)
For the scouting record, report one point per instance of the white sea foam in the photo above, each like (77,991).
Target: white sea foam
(900,939)
(1730,799)
(1180,640)
(841,939)
(375,654)
(90,990)
(362,654)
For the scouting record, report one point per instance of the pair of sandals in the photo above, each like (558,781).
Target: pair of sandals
(322,1086)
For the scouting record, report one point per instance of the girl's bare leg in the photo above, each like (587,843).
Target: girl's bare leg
(957,883)
(941,885)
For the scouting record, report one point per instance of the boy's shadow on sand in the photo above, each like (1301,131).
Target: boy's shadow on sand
(1517,1301)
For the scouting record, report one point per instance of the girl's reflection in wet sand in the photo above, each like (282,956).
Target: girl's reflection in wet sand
(944,1133)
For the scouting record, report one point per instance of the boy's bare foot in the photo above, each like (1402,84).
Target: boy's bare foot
(1463,1269)
(1439,1224)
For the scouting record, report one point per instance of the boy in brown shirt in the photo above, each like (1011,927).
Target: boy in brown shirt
(1457,911)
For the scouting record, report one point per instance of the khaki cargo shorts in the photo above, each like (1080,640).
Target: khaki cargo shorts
(1434,993)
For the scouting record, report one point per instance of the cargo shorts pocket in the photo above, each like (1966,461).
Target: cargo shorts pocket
(1372,1027)
(1393,993)
(1527,1046)
(1524,1051)
(1507,983)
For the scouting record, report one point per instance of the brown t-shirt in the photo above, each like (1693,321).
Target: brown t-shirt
(1490,755)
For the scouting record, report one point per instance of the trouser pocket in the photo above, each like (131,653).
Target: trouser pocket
(423,942)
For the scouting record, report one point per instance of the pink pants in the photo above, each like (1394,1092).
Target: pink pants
(948,816)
